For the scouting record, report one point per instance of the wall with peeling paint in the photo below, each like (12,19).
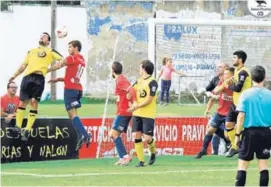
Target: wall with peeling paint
(196,50)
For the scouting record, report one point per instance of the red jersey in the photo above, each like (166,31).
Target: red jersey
(121,90)
(224,101)
(8,104)
(74,70)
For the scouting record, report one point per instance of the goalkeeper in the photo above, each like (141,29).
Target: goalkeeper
(144,112)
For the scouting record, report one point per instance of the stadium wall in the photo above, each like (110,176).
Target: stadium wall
(107,20)
(53,139)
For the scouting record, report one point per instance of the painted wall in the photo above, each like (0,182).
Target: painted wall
(196,50)
(20,32)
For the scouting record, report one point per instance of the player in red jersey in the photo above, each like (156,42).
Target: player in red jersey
(123,117)
(75,65)
(9,102)
(217,123)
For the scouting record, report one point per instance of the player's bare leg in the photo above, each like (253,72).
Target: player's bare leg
(139,147)
(231,134)
(241,173)
(124,158)
(151,144)
(32,115)
(264,173)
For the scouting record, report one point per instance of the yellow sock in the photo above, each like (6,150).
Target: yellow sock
(20,113)
(152,146)
(231,134)
(31,119)
(139,147)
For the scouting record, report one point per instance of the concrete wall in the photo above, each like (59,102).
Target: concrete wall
(195,49)
(119,31)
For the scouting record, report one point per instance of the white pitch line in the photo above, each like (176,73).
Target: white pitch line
(113,173)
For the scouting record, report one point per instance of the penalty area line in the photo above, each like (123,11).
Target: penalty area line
(115,173)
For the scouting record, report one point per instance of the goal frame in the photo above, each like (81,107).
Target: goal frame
(152,22)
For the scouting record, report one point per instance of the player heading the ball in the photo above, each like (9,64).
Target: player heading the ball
(35,67)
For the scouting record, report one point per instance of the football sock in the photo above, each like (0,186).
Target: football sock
(76,122)
(139,147)
(120,147)
(206,141)
(20,116)
(31,119)
(264,178)
(241,178)
(231,134)
(152,146)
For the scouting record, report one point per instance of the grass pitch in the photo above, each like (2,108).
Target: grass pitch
(167,171)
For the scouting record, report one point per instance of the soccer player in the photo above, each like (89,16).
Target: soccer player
(144,111)
(216,125)
(9,102)
(123,117)
(254,116)
(211,86)
(75,65)
(240,82)
(35,67)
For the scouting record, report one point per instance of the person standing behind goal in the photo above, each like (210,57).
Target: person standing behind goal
(166,73)
(255,117)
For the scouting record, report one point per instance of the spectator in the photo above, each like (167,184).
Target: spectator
(9,102)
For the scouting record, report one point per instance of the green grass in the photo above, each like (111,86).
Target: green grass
(167,171)
(96,110)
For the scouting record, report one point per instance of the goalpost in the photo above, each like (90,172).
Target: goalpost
(196,47)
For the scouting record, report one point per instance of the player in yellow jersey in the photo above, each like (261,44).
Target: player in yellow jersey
(35,67)
(241,82)
(144,112)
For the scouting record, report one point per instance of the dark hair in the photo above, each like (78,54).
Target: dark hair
(148,66)
(117,67)
(76,43)
(9,84)
(230,69)
(241,54)
(258,74)
(49,37)
(164,62)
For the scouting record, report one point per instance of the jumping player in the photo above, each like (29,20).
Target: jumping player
(75,65)
(35,67)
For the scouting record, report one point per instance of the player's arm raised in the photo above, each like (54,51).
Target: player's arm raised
(57,57)
(21,69)
(239,85)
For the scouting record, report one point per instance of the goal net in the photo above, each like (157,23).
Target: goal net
(196,47)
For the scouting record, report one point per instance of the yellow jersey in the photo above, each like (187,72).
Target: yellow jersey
(242,82)
(39,59)
(144,89)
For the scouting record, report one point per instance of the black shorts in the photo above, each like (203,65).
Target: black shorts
(144,125)
(232,114)
(255,140)
(32,86)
